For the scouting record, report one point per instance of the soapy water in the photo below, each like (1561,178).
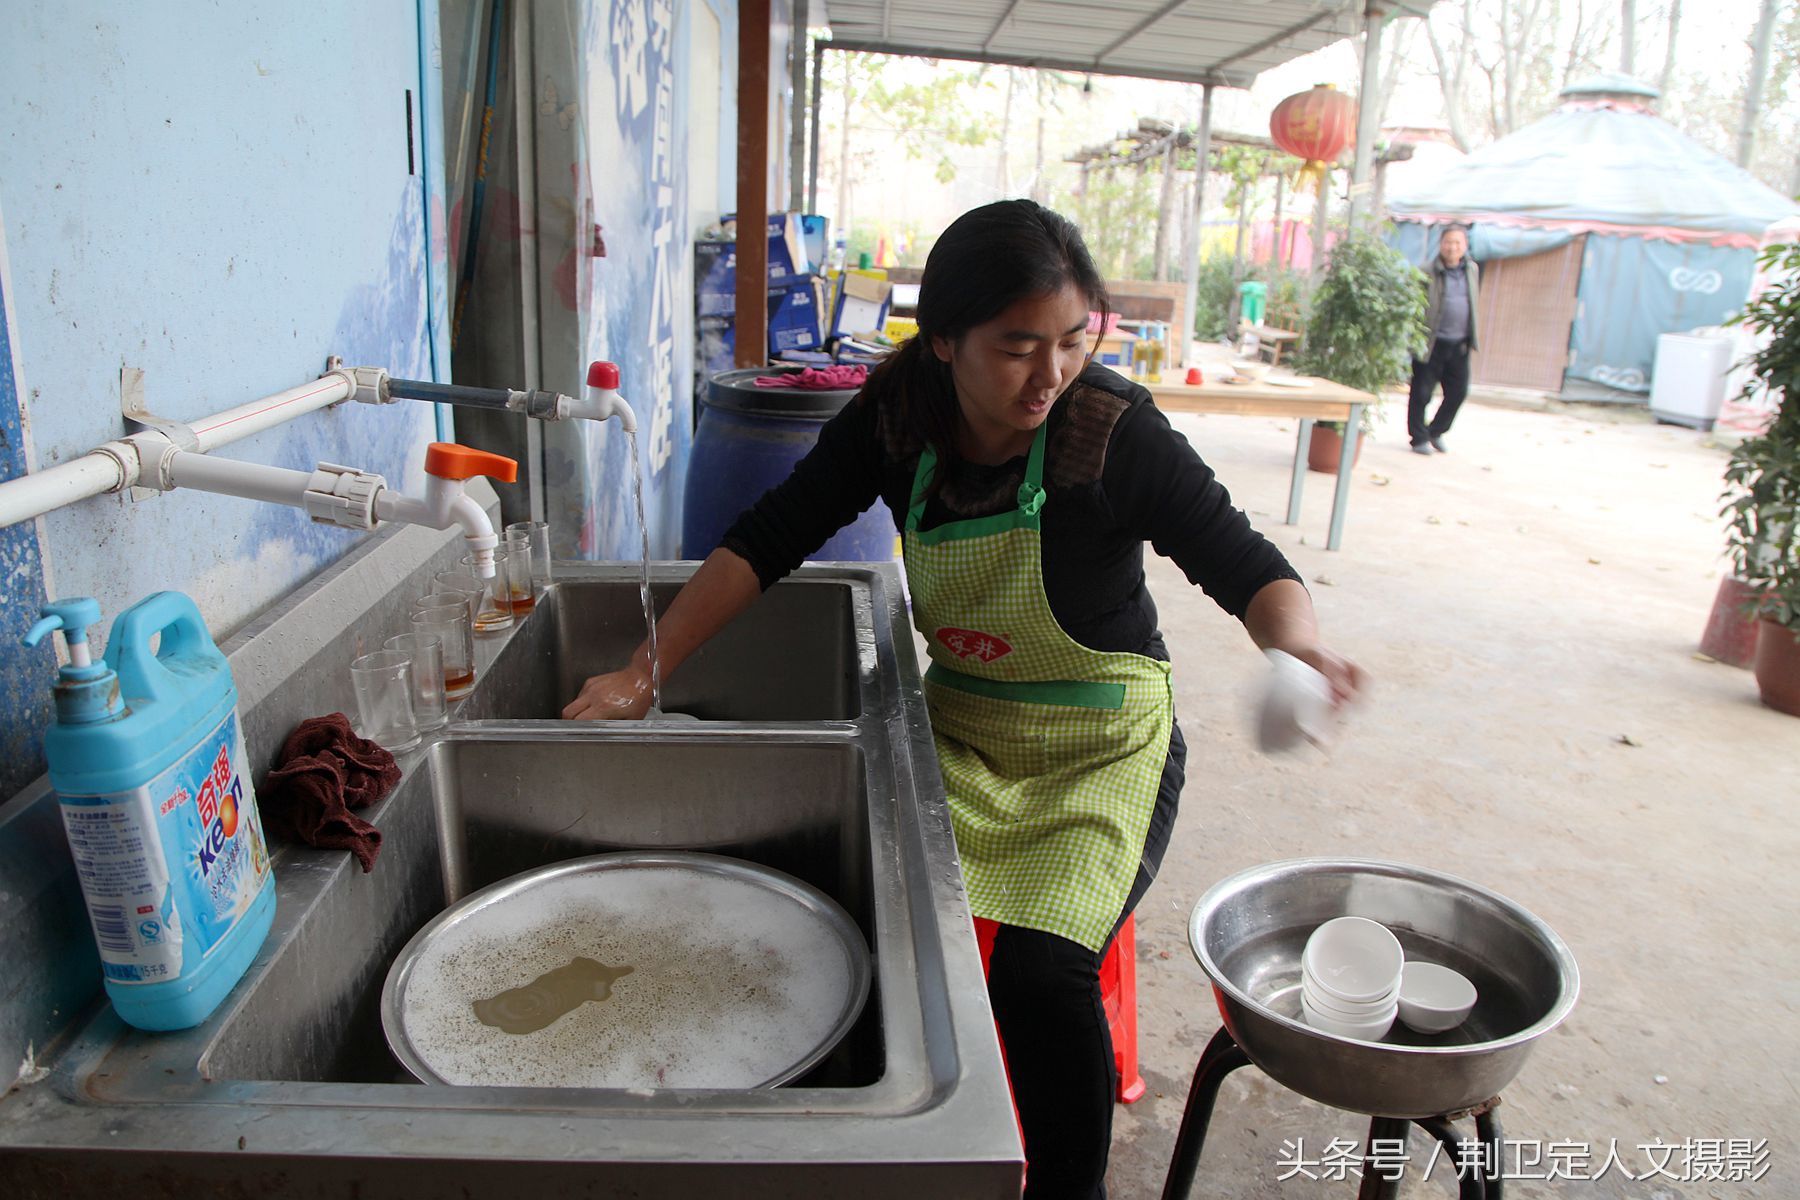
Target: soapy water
(637,489)
(732,984)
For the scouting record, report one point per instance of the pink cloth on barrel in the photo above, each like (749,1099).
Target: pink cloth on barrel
(841,377)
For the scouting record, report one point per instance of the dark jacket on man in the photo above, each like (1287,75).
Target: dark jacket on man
(1434,298)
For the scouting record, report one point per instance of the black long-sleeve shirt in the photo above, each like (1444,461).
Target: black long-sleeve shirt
(1116,475)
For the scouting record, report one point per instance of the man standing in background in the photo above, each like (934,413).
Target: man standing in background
(1451,286)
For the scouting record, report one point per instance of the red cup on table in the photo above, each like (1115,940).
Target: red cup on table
(1193,377)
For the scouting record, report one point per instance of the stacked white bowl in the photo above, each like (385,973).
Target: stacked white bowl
(1350,978)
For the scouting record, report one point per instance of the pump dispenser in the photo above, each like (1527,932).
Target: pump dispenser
(148,765)
(85,691)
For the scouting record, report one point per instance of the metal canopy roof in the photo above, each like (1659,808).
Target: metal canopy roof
(1225,42)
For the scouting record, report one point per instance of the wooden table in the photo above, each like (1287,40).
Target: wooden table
(1320,400)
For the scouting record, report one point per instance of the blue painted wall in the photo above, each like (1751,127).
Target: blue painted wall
(24,701)
(220,194)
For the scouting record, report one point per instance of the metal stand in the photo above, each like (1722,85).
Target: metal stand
(1223,1055)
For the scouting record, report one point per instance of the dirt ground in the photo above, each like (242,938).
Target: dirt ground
(1529,606)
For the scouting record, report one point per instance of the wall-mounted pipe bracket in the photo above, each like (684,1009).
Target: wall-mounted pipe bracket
(139,418)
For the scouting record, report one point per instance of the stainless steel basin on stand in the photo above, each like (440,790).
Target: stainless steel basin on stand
(1248,933)
(814,759)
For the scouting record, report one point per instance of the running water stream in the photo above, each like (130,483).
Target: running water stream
(637,489)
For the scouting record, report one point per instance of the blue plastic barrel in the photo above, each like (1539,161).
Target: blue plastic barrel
(748,440)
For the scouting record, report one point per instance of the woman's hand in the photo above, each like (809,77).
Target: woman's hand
(1281,617)
(1346,678)
(622,695)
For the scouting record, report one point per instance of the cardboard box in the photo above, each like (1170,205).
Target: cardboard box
(862,305)
(787,245)
(796,314)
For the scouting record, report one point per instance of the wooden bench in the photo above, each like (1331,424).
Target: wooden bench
(1271,340)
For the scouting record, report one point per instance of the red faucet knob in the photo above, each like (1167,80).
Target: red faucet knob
(604,375)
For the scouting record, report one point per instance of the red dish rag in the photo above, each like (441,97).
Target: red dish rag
(325,770)
(841,377)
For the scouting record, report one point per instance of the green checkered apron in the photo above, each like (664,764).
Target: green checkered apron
(1051,752)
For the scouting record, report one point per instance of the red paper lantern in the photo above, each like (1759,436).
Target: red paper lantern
(1314,126)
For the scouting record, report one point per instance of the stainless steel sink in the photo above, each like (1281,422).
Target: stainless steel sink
(814,758)
(792,657)
(483,804)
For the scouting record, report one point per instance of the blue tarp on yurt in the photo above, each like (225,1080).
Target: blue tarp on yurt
(1672,228)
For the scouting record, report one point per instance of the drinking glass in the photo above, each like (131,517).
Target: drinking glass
(450,622)
(517,545)
(511,582)
(384,699)
(486,613)
(537,533)
(430,709)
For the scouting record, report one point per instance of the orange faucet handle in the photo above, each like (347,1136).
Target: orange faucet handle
(447,460)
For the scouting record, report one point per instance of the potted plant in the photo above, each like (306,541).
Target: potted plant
(1762,487)
(1367,322)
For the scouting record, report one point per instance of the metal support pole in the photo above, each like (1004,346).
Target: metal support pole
(1196,216)
(1368,113)
(797,106)
(752,348)
(812,165)
(1320,215)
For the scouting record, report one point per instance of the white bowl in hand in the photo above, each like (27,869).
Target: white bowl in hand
(1296,705)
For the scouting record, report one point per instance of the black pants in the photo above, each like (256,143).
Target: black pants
(1059,1053)
(1449,363)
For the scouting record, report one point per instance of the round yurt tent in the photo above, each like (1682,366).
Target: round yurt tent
(1597,229)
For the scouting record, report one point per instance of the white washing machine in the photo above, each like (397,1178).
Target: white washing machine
(1688,386)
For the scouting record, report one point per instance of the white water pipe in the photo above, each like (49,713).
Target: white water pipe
(334,495)
(119,464)
(230,477)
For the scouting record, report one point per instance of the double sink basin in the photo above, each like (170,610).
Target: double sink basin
(811,755)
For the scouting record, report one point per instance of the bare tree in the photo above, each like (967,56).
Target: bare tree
(1452,52)
(1668,71)
(1165,208)
(1628,36)
(1759,72)
(1001,183)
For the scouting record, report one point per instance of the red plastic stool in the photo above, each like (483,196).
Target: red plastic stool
(1118,993)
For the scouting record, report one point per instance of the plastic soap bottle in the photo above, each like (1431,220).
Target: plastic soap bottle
(148,763)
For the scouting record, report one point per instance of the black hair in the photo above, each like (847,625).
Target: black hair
(989,259)
(1458,226)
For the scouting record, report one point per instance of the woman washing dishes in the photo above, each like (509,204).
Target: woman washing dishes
(1026,482)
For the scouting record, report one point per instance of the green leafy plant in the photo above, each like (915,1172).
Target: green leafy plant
(1367,319)
(1762,482)
(1213,290)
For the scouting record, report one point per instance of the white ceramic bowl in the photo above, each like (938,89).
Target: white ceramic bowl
(1349,1010)
(1296,704)
(1354,959)
(1251,370)
(1371,1029)
(1434,998)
